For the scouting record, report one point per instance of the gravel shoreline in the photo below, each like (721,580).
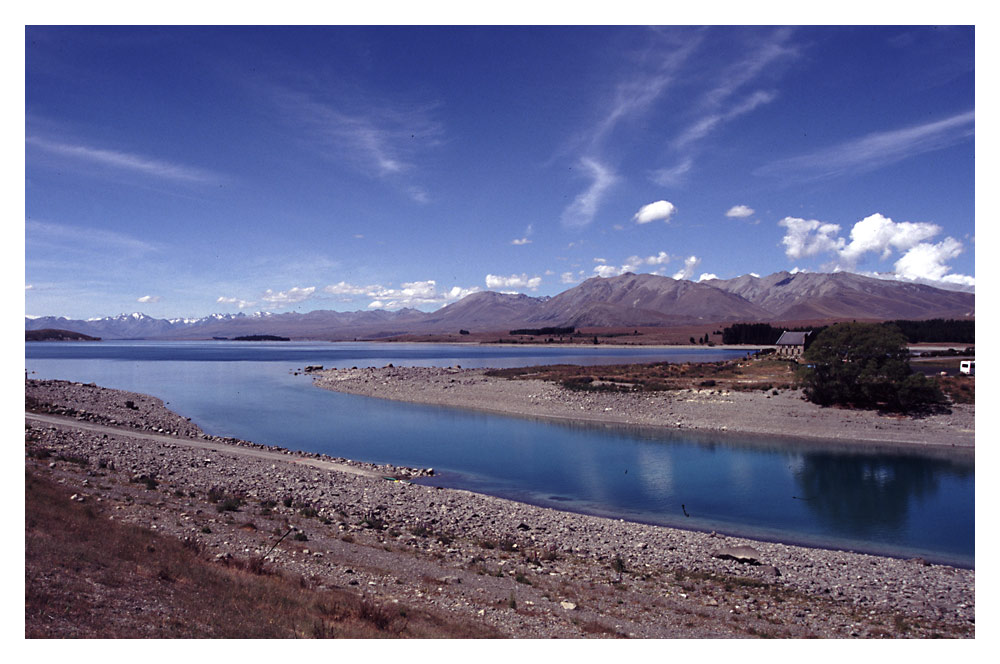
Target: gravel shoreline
(785,414)
(529,572)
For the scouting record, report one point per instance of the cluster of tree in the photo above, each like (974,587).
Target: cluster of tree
(865,365)
(49,334)
(261,337)
(542,331)
(751,334)
(969,351)
(702,340)
(937,330)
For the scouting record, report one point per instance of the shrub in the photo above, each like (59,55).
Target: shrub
(373,520)
(229,504)
(866,366)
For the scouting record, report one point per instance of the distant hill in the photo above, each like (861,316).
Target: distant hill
(639,300)
(814,295)
(56,335)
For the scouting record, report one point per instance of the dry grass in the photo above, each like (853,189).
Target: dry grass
(756,374)
(88,576)
(960,389)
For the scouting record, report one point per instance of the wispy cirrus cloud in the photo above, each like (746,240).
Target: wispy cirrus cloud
(649,75)
(735,93)
(76,239)
(584,207)
(127,161)
(705,125)
(384,140)
(648,79)
(874,151)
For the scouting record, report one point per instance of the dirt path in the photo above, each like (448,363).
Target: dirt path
(199,444)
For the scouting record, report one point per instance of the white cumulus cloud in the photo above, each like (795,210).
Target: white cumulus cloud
(879,234)
(808,237)
(690,263)
(705,276)
(513,281)
(147,299)
(344,288)
(631,264)
(240,304)
(661,258)
(876,234)
(608,271)
(414,294)
(656,211)
(928,261)
(739,211)
(291,296)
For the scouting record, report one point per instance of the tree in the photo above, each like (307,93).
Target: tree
(866,366)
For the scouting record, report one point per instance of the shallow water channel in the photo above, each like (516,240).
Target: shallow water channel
(895,503)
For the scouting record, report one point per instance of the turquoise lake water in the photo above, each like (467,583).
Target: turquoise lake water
(893,503)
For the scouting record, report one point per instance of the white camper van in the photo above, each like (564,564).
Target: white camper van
(968,367)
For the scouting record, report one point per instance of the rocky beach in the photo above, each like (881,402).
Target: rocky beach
(388,535)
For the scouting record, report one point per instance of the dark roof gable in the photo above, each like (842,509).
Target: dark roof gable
(792,338)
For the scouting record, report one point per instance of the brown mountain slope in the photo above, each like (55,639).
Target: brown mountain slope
(806,295)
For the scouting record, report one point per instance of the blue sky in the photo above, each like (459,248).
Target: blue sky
(182,171)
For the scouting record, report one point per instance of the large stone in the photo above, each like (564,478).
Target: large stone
(743,554)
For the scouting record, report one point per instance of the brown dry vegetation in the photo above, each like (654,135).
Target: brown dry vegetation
(87,576)
(764,374)
(960,389)
(749,375)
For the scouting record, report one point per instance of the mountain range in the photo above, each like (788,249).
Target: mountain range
(632,300)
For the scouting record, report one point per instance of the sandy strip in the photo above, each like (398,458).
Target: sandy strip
(226,448)
(785,415)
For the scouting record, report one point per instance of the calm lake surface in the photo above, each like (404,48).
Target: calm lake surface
(902,504)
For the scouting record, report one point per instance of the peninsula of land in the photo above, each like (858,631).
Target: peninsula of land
(774,412)
(138,524)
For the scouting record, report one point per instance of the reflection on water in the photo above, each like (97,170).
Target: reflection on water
(873,500)
(871,494)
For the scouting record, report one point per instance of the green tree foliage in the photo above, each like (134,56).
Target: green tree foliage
(866,366)
(750,333)
(938,330)
(763,334)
